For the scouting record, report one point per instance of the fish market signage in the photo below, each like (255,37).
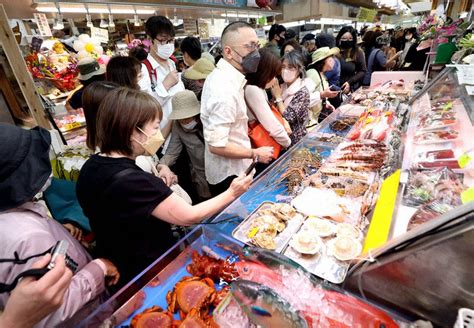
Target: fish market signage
(225,3)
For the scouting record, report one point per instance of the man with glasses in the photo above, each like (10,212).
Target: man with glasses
(228,151)
(159,75)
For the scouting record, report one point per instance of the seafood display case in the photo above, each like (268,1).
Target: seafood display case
(310,213)
(209,273)
(437,173)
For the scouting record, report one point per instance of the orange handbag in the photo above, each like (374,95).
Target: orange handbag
(260,137)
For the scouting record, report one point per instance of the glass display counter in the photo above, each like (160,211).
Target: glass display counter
(374,119)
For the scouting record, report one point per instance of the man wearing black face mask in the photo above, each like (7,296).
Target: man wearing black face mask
(276,38)
(228,152)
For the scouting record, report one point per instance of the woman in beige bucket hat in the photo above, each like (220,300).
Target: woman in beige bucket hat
(187,132)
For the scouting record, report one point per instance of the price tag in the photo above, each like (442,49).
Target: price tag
(253,232)
(463,160)
(467,195)
(448,106)
(71,126)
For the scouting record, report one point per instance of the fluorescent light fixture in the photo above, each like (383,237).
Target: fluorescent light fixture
(294,24)
(145,11)
(47,9)
(237,15)
(81,10)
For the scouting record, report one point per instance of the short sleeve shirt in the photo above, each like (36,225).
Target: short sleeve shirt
(120,213)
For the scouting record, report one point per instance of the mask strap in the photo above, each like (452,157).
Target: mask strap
(138,128)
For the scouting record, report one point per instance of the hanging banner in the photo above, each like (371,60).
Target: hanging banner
(366,15)
(100,34)
(43,26)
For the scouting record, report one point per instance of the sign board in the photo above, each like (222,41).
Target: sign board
(100,34)
(203,30)
(190,26)
(260,33)
(366,15)
(43,25)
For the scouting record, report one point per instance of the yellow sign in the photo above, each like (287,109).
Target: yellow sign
(382,218)
(467,195)
(366,15)
(463,160)
(71,126)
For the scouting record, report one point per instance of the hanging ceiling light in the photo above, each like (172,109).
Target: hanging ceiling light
(59,19)
(175,18)
(89,20)
(136,20)
(111,21)
(59,22)
(103,23)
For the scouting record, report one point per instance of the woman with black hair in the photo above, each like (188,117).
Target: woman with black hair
(352,59)
(125,71)
(411,59)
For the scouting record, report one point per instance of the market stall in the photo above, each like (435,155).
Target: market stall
(320,204)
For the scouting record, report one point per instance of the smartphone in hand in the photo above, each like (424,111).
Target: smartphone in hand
(251,166)
(334,88)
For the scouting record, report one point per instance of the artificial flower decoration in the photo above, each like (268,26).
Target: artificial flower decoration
(87,47)
(137,42)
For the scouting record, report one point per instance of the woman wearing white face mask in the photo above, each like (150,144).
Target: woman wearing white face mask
(159,77)
(131,210)
(292,98)
(188,133)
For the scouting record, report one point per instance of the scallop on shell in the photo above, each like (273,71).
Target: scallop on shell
(348,230)
(321,227)
(345,248)
(306,242)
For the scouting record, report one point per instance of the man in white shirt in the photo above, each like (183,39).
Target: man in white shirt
(228,151)
(160,78)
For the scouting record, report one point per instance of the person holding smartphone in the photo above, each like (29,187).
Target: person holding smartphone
(323,62)
(26,230)
(34,299)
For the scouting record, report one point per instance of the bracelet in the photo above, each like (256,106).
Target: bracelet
(278,100)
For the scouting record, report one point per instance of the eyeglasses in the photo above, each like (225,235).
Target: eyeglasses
(251,47)
(164,41)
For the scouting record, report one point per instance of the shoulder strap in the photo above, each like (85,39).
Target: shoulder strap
(151,73)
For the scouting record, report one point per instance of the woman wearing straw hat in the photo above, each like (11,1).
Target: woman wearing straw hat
(188,132)
(198,74)
(322,62)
